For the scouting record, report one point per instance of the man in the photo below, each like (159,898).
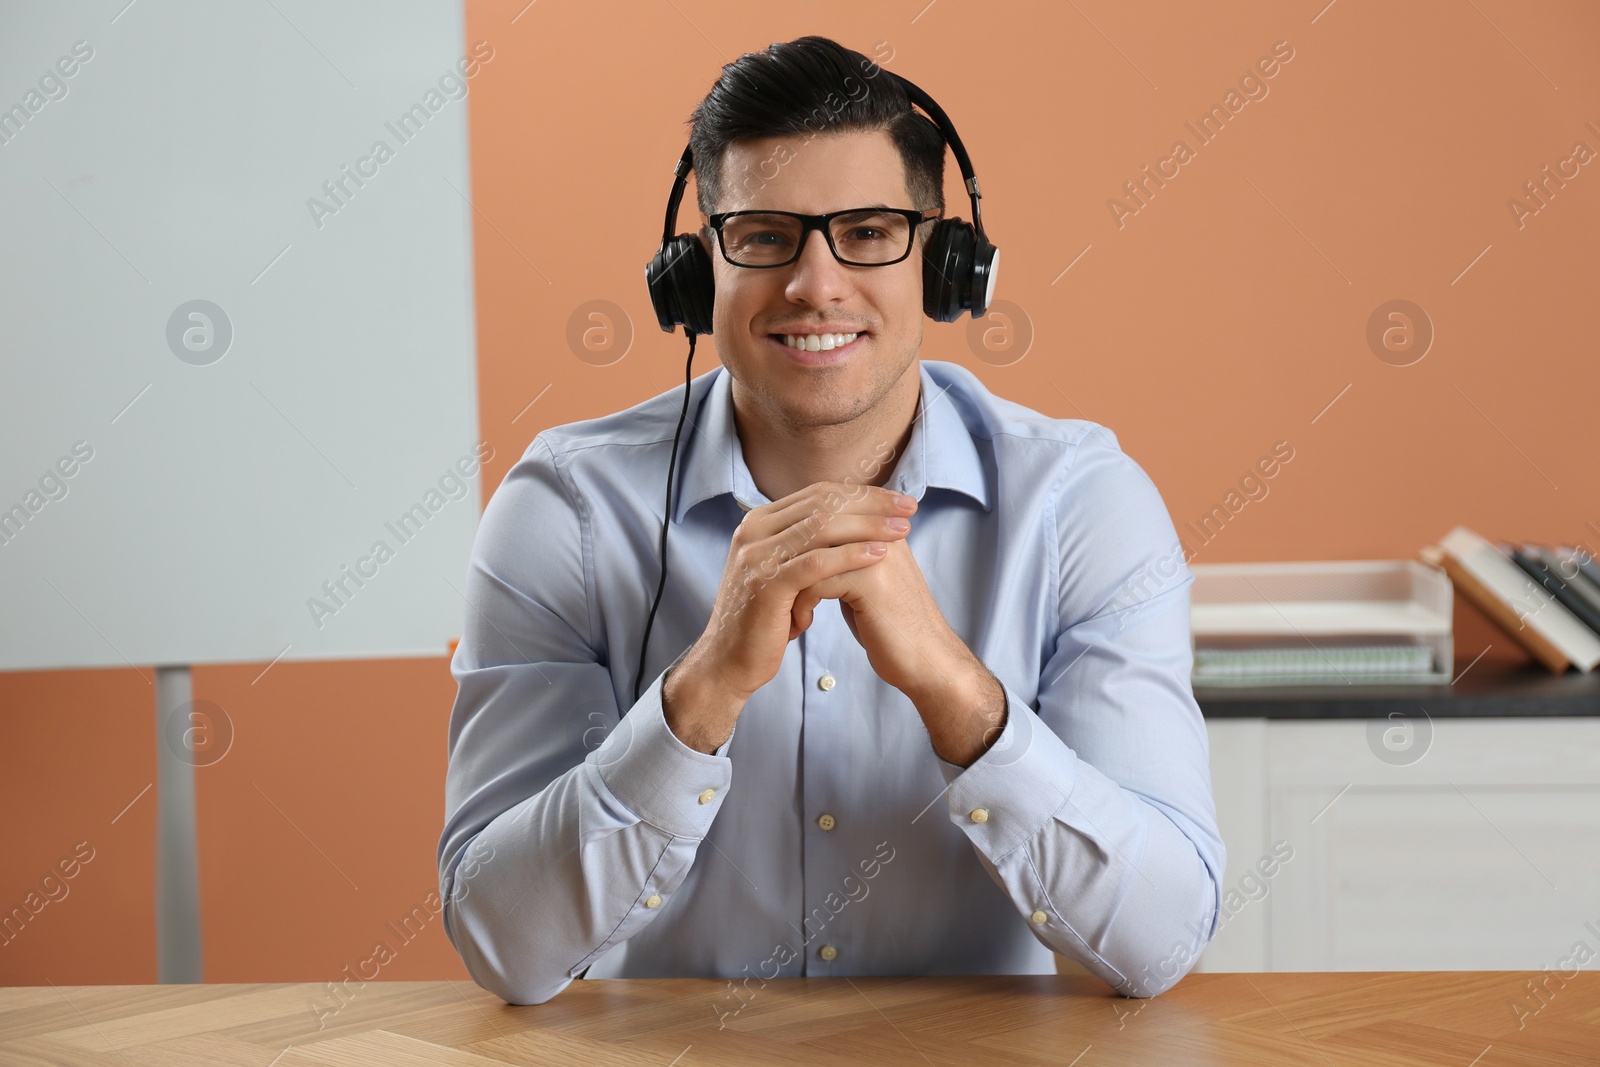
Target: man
(919,699)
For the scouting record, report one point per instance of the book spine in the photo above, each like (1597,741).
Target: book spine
(1503,615)
(1566,559)
(1551,583)
(1589,569)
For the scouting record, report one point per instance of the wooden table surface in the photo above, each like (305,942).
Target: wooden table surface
(1459,1018)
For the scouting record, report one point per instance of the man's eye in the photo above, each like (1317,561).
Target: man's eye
(761,239)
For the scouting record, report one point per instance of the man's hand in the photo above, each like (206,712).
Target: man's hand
(910,645)
(821,532)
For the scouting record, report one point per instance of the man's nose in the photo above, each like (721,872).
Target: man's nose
(818,276)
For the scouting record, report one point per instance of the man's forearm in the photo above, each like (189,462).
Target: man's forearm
(581,865)
(699,712)
(964,712)
(531,914)
(1102,875)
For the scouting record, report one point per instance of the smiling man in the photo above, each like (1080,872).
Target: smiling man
(920,702)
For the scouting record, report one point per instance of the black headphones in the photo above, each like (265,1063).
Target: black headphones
(959,266)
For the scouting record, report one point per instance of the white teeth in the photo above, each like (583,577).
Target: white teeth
(818,342)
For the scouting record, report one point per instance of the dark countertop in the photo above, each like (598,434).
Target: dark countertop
(1489,688)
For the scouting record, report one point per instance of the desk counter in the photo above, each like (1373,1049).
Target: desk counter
(1462,1018)
(1487,689)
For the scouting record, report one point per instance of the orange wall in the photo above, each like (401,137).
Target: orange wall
(1223,317)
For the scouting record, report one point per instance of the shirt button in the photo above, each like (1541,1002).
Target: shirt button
(979,815)
(826,682)
(826,821)
(654,901)
(1040,917)
(828,952)
(708,796)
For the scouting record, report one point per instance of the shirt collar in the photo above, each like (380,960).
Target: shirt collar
(940,452)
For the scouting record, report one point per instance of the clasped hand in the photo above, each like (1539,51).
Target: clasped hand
(837,541)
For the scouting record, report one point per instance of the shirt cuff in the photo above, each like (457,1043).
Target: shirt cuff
(659,778)
(1010,792)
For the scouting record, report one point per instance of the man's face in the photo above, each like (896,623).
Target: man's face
(831,172)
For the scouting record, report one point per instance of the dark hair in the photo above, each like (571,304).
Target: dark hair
(808,86)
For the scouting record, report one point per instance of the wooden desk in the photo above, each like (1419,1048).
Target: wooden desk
(1460,1018)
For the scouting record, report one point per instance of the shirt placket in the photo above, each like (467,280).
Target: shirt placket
(824,701)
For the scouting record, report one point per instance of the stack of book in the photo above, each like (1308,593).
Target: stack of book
(1547,599)
(1320,623)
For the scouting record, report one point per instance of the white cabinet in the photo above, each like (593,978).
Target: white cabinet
(1360,844)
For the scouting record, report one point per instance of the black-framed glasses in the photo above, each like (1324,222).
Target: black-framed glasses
(858,237)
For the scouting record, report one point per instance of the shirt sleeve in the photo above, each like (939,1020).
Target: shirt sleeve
(567,824)
(1094,812)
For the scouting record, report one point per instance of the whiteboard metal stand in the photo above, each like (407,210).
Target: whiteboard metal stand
(178,958)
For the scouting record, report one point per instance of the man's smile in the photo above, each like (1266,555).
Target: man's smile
(819,350)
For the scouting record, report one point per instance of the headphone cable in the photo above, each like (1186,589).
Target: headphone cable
(666,521)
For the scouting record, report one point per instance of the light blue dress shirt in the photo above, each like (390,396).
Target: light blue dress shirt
(825,837)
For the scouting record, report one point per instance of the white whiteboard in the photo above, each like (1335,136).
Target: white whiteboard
(175,164)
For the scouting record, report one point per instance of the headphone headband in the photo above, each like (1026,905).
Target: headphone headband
(953,139)
(680,182)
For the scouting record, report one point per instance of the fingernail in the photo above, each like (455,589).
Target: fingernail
(899,524)
(905,501)
(877,548)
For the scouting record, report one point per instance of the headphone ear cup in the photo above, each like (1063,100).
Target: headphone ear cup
(681,286)
(947,261)
(985,272)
